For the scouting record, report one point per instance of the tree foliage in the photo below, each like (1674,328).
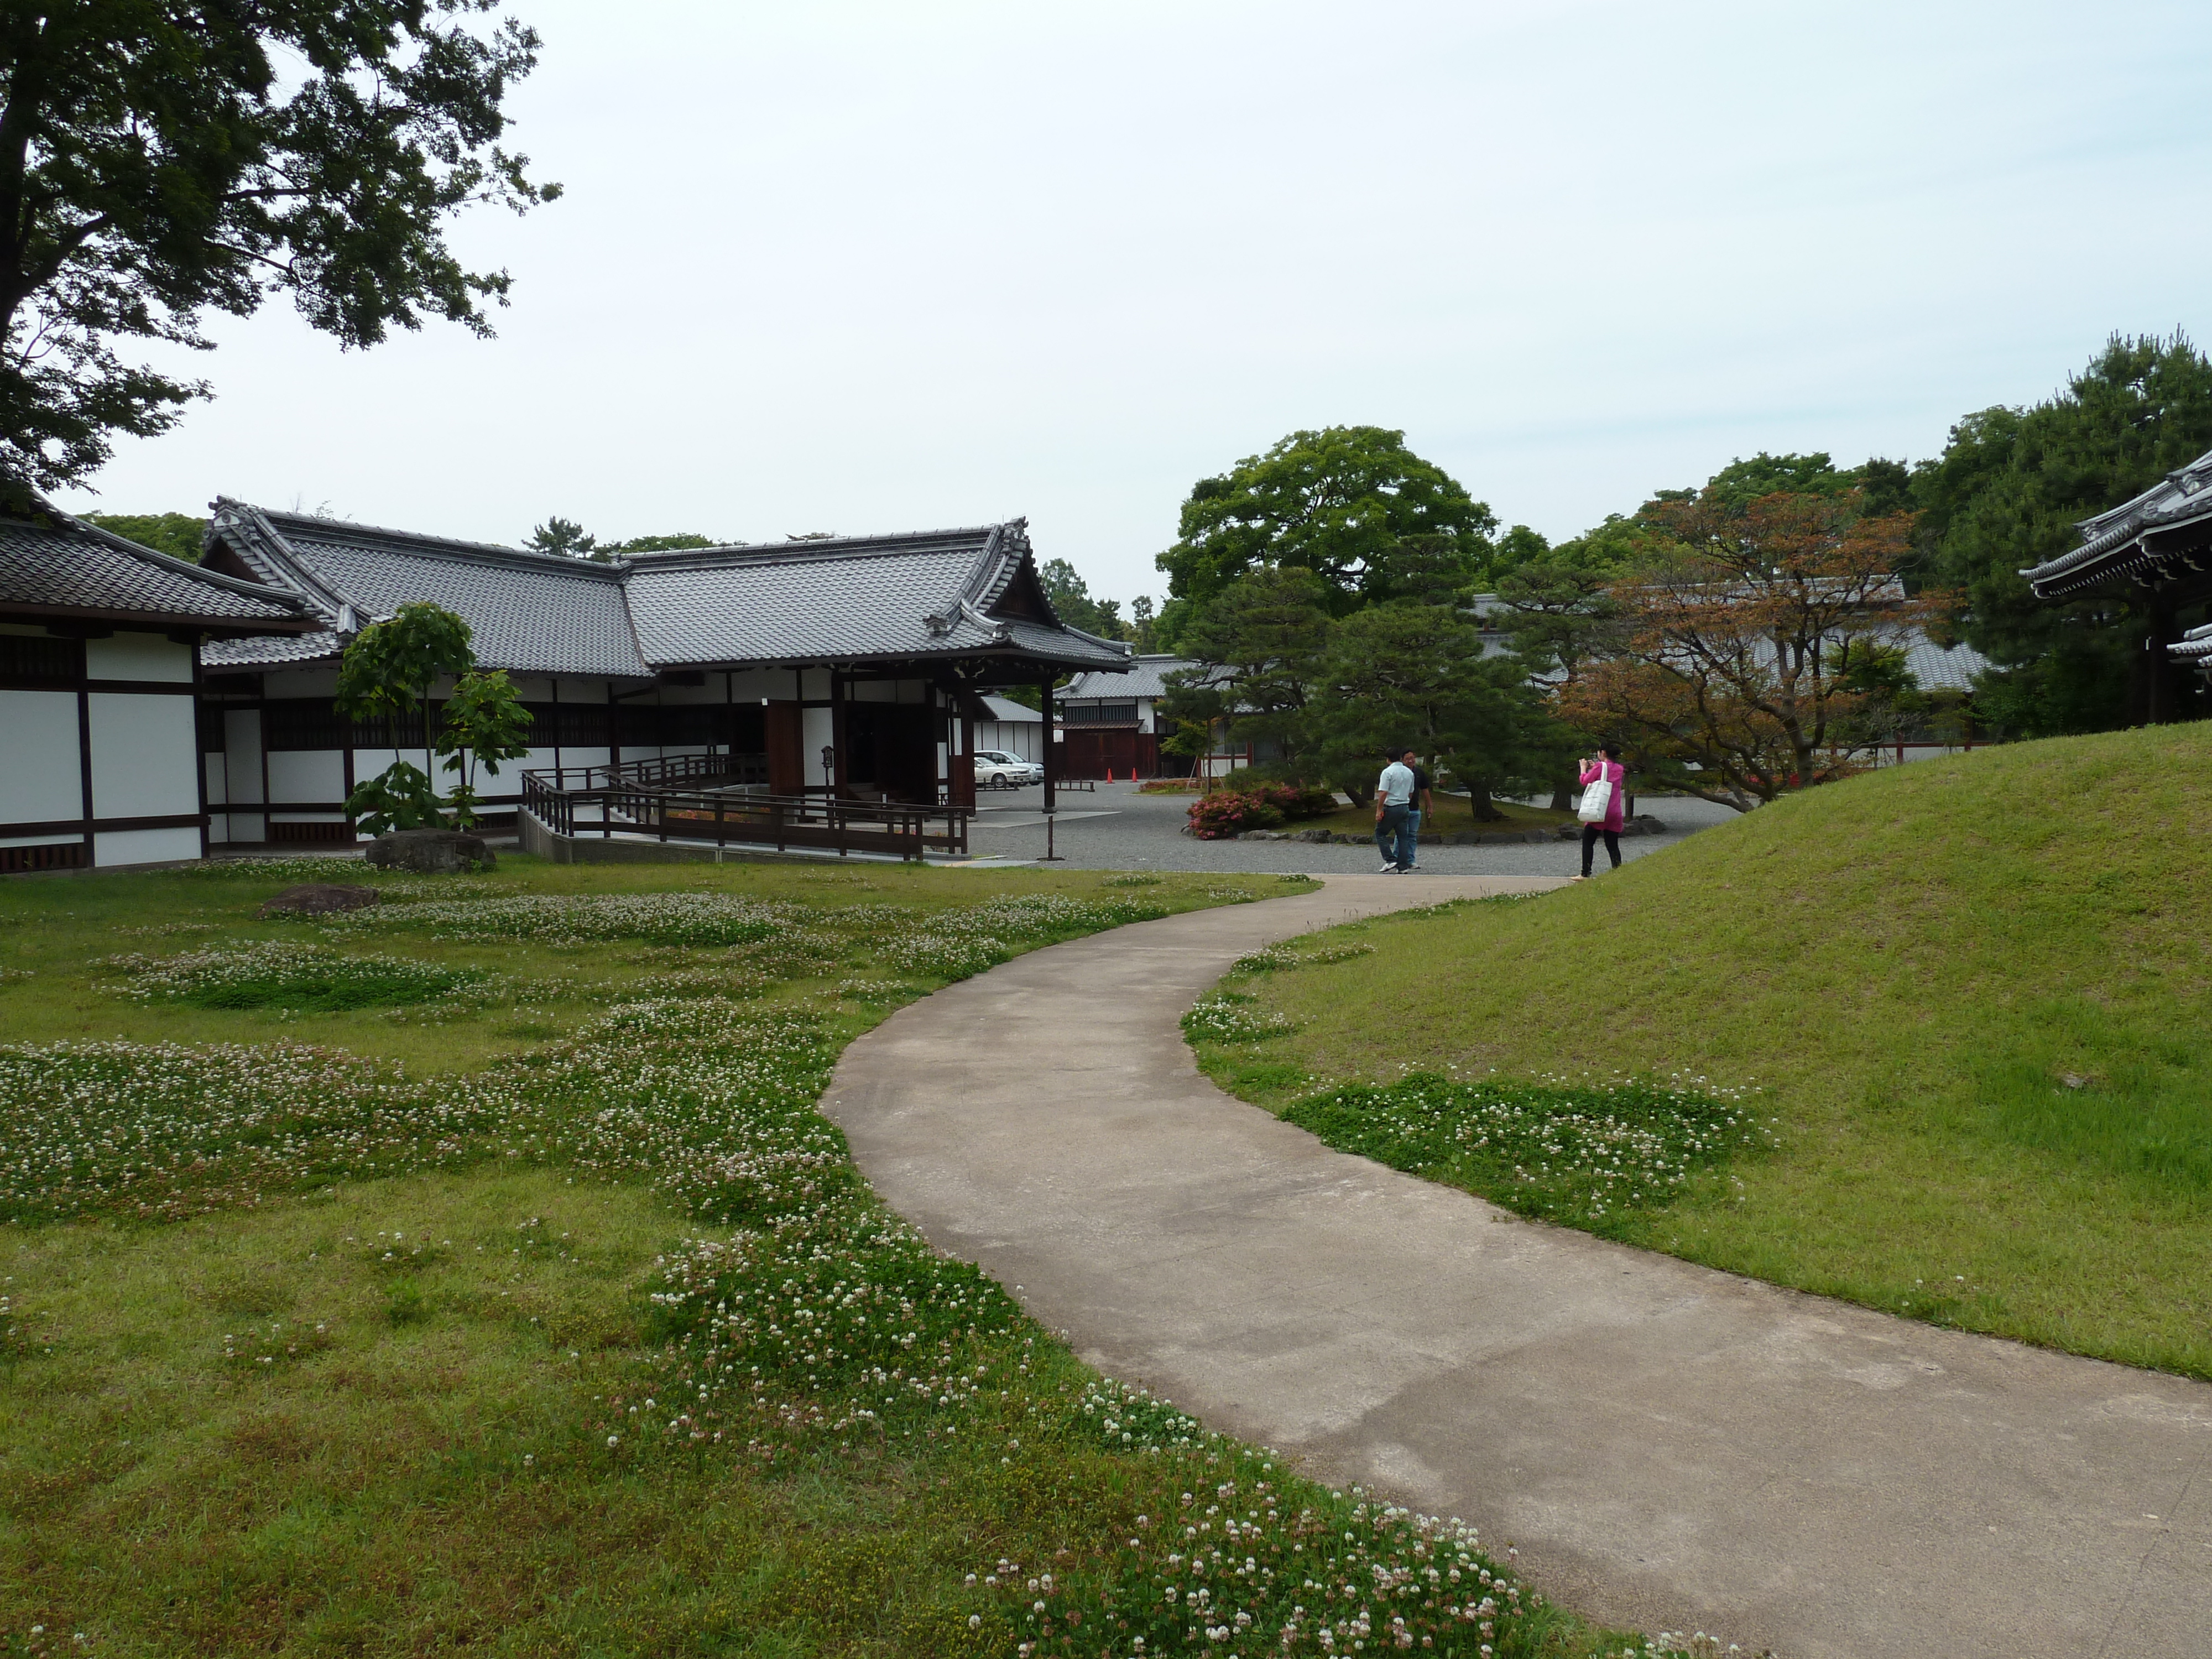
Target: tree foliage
(1258,652)
(400,797)
(564,538)
(1071,598)
(180,535)
(483,724)
(1409,675)
(1340,502)
(161,159)
(567,538)
(1752,643)
(389,670)
(2006,495)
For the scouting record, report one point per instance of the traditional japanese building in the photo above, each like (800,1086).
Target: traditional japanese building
(98,684)
(1112,725)
(845,669)
(2158,548)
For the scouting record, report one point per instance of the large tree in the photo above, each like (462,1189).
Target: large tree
(1071,597)
(1258,652)
(2006,495)
(1755,647)
(163,159)
(1340,502)
(1414,675)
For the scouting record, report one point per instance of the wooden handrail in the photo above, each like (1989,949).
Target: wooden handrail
(743,814)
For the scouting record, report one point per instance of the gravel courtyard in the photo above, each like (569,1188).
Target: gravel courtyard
(1119,829)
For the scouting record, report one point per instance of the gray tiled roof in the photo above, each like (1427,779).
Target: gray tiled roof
(1938,669)
(925,594)
(531,612)
(1145,679)
(271,650)
(2112,543)
(2194,647)
(1006,711)
(921,595)
(67,566)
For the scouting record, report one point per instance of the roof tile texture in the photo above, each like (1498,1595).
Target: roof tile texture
(73,567)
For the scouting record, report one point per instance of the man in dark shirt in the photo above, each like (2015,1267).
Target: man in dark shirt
(1423,801)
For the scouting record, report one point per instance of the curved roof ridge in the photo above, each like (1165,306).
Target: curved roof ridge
(801,551)
(415,541)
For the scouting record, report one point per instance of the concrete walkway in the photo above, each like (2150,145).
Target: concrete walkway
(1671,1447)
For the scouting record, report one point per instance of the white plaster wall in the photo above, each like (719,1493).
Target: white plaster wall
(145,757)
(138,657)
(369,763)
(307,776)
(816,682)
(38,777)
(815,730)
(145,846)
(581,757)
(1020,738)
(212,764)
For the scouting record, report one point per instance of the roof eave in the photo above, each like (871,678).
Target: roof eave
(228,628)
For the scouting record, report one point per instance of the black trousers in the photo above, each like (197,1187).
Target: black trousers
(1591,833)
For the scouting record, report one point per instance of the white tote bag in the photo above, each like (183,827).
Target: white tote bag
(1597,801)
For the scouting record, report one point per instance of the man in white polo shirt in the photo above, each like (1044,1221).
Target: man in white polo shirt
(1393,799)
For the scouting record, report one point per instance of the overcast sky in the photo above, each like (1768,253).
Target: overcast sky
(864,267)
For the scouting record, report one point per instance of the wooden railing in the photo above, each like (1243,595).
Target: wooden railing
(743,815)
(697,770)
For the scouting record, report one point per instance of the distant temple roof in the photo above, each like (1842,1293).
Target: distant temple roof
(1147,678)
(2161,537)
(912,598)
(66,569)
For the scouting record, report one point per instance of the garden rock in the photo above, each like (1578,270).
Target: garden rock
(431,852)
(318,898)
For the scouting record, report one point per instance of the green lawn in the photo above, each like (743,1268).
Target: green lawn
(1970,1000)
(476,1272)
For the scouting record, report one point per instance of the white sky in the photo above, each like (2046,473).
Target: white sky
(861,267)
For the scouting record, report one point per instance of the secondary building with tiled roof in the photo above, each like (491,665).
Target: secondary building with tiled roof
(841,666)
(2155,548)
(99,689)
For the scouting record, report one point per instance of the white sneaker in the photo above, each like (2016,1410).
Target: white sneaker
(1387,870)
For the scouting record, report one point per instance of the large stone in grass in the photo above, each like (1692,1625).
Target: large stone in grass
(318,898)
(431,852)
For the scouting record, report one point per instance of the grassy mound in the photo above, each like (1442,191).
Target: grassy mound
(1974,996)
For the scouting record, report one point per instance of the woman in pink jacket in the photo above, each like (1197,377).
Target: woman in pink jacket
(1606,766)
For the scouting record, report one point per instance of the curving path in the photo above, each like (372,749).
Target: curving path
(1670,1447)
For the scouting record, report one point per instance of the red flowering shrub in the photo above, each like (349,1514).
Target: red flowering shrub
(1221,815)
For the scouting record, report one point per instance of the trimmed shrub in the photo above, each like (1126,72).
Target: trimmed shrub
(1221,815)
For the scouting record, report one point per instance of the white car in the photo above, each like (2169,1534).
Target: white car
(997,769)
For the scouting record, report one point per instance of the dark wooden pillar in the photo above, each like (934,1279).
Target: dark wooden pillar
(1051,753)
(2159,699)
